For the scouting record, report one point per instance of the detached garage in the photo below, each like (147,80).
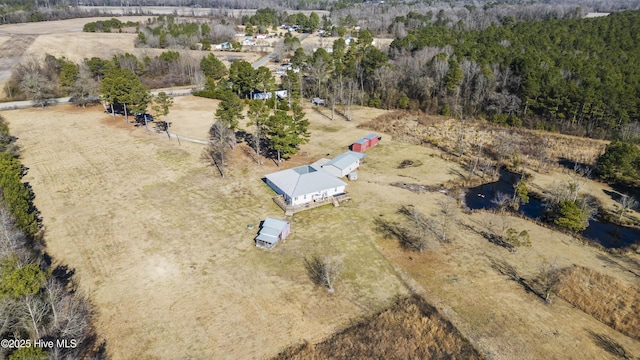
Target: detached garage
(343,164)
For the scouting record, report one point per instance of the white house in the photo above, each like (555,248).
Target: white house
(305,184)
(271,232)
(343,164)
(223,46)
(280,94)
(248,41)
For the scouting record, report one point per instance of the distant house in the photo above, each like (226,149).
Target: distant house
(224,46)
(260,36)
(343,164)
(248,41)
(271,232)
(280,94)
(305,184)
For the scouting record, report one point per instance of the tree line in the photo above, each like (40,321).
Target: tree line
(278,122)
(577,75)
(108,25)
(37,302)
(58,77)
(169,32)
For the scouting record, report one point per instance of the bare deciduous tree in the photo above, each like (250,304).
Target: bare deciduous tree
(548,278)
(444,218)
(85,89)
(36,87)
(222,139)
(626,203)
(34,312)
(501,200)
(323,271)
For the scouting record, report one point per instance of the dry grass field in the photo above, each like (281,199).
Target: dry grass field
(410,329)
(65,38)
(163,248)
(161,244)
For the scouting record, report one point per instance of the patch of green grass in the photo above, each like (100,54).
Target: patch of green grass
(327,128)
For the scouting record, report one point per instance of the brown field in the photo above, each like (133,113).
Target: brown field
(602,296)
(161,244)
(410,329)
(65,38)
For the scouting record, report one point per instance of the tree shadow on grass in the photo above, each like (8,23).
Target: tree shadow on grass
(610,345)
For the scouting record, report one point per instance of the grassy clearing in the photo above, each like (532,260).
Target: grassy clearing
(603,297)
(410,329)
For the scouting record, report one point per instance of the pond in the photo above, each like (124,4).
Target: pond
(607,234)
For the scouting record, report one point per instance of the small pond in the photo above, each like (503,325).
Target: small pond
(608,234)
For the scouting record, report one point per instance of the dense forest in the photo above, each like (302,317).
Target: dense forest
(578,74)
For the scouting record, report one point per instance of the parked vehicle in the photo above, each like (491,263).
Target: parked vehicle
(318,102)
(140,117)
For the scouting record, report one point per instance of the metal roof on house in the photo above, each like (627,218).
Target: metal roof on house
(303,180)
(361,141)
(343,160)
(371,136)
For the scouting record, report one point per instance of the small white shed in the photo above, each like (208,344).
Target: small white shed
(271,232)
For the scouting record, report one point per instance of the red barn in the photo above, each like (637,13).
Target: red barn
(372,139)
(360,145)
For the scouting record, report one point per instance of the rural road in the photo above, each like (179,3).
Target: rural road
(266,58)
(29,103)
(171,92)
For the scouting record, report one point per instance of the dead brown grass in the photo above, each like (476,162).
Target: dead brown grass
(410,329)
(604,298)
(443,132)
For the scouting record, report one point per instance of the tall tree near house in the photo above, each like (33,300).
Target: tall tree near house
(243,77)
(161,105)
(281,134)
(122,86)
(264,80)
(293,85)
(300,123)
(222,139)
(299,58)
(230,110)
(213,68)
(314,22)
(259,115)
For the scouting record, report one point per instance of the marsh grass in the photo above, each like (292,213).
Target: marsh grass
(603,297)
(410,329)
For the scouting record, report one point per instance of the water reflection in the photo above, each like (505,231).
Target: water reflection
(608,234)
